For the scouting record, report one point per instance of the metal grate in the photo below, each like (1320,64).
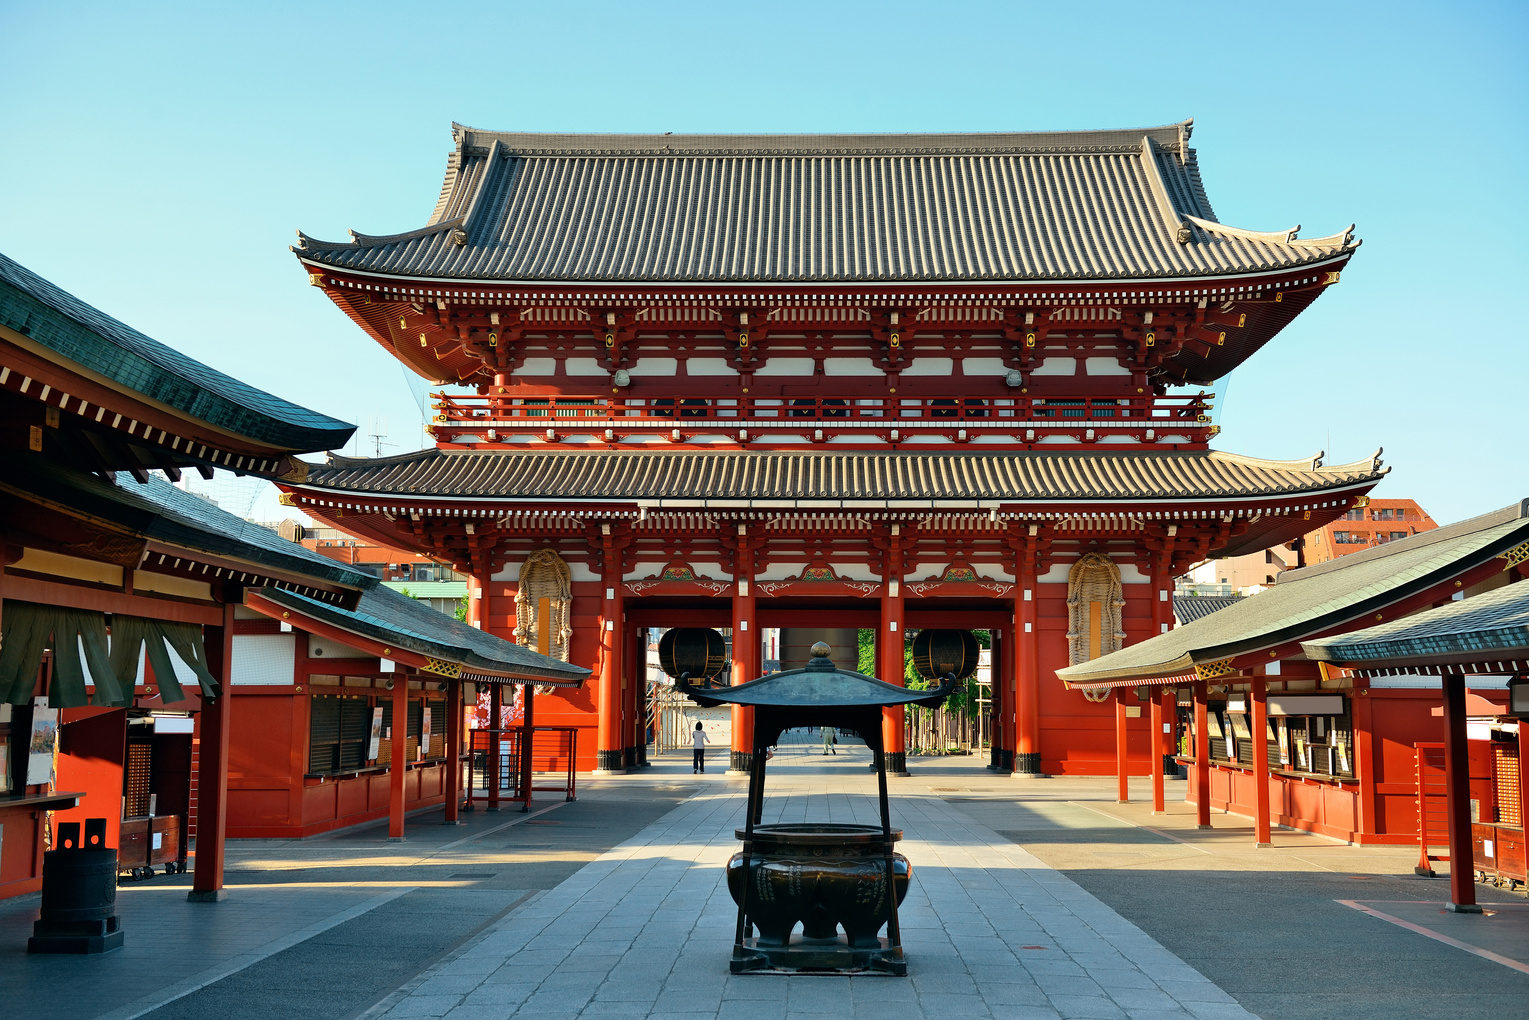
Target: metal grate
(1507,777)
(137,779)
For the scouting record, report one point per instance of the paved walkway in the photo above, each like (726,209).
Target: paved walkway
(1029,899)
(646,930)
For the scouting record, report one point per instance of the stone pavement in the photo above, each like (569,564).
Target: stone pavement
(1029,899)
(646,930)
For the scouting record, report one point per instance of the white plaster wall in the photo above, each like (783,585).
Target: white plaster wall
(786,366)
(930,366)
(983,366)
(262,659)
(584,366)
(537,366)
(1057,366)
(655,366)
(780,571)
(709,367)
(850,366)
(1104,366)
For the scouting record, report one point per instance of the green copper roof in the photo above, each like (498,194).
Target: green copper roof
(159,511)
(1310,601)
(1491,627)
(385,615)
(94,340)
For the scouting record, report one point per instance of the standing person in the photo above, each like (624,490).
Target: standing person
(699,740)
(830,738)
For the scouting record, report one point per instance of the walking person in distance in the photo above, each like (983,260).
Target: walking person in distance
(830,738)
(699,741)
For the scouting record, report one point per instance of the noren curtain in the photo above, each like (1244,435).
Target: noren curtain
(30,629)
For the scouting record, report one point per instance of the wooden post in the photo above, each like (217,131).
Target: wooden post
(746,654)
(608,748)
(492,763)
(1122,759)
(212,764)
(1202,754)
(1457,804)
(1026,659)
(527,742)
(399,767)
(890,637)
(1259,718)
(454,712)
(629,699)
(1162,615)
(1156,755)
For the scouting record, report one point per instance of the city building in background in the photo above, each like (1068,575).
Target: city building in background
(1378,522)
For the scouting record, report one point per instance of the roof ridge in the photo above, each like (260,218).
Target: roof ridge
(1342,239)
(1170,136)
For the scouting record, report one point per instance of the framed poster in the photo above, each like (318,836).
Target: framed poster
(43,743)
(424,734)
(374,741)
(5,767)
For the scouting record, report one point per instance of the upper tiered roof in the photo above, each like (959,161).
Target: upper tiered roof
(957,208)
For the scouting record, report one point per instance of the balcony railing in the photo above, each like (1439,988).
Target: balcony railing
(494,418)
(481,411)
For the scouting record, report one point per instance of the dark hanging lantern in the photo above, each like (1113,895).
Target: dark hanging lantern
(698,651)
(940,653)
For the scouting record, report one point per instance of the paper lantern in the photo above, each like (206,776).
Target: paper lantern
(699,651)
(939,653)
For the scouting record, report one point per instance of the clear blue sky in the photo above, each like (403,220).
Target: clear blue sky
(155,159)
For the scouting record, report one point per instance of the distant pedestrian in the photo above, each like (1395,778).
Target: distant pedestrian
(830,738)
(699,740)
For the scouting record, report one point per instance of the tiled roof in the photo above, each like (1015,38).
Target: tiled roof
(1085,205)
(386,615)
(1189,608)
(90,338)
(161,512)
(1489,627)
(847,479)
(1315,599)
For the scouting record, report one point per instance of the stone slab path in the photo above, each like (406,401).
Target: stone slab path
(646,930)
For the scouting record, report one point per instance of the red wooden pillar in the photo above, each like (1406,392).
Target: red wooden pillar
(527,743)
(1457,804)
(629,699)
(999,706)
(746,653)
(492,763)
(1156,752)
(398,767)
(1365,763)
(890,638)
(212,765)
(1122,758)
(1157,744)
(1260,724)
(608,741)
(1202,754)
(454,713)
(1026,659)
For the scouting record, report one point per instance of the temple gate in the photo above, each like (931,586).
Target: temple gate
(860,381)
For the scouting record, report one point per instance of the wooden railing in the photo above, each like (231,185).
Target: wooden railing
(456,410)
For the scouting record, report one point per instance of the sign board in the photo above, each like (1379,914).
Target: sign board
(1305,704)
(374,741)
(43,743)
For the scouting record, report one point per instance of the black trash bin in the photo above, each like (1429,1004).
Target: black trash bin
(79,894)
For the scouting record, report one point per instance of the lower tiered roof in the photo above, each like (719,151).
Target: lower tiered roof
(695,478)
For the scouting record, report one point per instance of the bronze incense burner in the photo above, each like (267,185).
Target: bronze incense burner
(825,877)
